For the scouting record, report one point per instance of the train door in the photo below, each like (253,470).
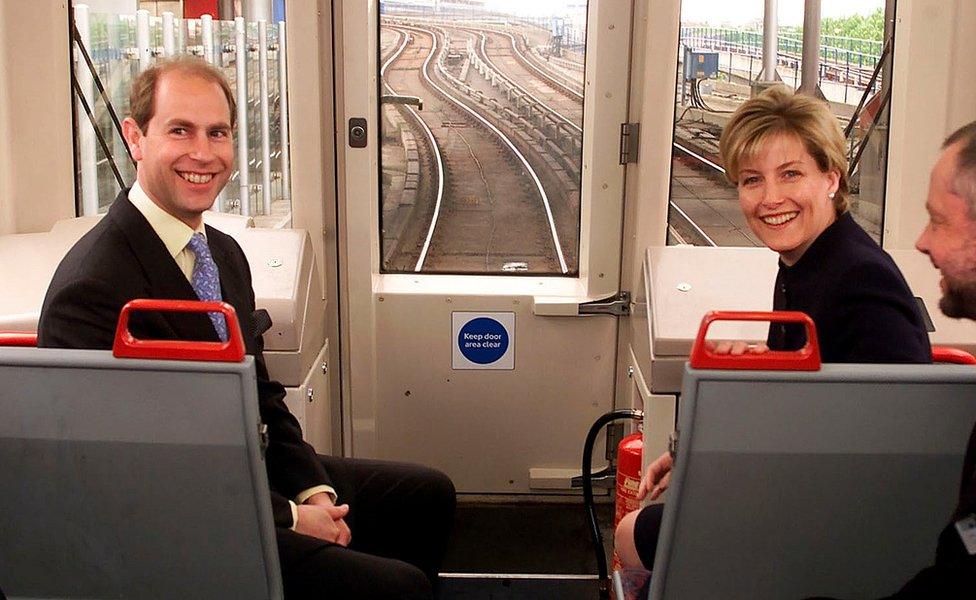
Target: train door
(481,202)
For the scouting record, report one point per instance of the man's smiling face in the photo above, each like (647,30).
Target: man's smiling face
(949,238)
(186,153)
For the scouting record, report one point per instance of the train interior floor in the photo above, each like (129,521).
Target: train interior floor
(523,550)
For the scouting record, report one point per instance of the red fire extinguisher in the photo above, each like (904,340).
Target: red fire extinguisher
(629,453)
(630,464)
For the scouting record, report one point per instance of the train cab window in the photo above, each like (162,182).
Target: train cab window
(481,136)
(721,64)
(110,50)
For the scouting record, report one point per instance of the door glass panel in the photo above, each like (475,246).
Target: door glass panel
(111,42)
(725,47)
(484,177)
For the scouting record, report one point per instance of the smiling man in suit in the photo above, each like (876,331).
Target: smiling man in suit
(346,528)
(949,240)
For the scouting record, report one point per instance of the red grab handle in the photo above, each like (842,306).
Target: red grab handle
(127,346)
(945,354)
(804,359)
(18,338)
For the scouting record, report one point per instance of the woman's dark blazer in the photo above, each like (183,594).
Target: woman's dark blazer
(856,296)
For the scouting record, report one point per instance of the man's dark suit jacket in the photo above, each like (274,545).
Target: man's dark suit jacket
(863,308)
(121,259)
(953,577)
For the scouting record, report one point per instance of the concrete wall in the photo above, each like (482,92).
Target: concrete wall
(158,7)
(932,94)
(36,159)
(311,100)
(112,7)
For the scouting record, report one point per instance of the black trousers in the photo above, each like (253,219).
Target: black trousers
(647,527)
(400,516)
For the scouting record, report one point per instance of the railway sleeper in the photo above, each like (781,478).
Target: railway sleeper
(551,163)
(564,164)
(513,93)
(393,231)
(544,144)
(410,183)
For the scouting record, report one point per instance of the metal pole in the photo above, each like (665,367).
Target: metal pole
(257,10)
(206,35)
(87,153)
(207,39)
(117,94)
(283,112)
(182,33)
(847,75)
(889,31)
(169,36)
(770,41)
(220,54)
(242,150)
(142,39)
(265,117)
(810,70)
(226,10)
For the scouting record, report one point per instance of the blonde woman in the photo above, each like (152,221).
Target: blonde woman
(786,155)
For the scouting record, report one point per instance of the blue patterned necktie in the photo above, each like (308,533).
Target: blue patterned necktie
(206,280)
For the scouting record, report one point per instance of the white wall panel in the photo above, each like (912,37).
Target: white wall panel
(36,165)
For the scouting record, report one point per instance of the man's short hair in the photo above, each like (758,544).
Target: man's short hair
(142,97)
(778,111)
(964,179)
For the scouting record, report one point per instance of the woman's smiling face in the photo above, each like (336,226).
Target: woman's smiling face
(785,196)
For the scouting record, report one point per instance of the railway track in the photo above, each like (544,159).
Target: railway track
(550,75)
(500,52)
(555,116)
(488,219)
(434,148)
(685,230)
(568,111)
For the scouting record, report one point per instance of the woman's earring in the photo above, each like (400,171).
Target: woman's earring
(830,195)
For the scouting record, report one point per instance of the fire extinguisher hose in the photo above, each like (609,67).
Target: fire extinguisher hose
(587,473)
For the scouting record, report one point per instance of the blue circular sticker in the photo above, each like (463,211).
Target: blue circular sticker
(483,340)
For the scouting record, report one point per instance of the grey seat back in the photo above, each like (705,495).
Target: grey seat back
(126,478)
(833,483)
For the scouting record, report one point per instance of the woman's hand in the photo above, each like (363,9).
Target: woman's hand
(736,348)
(657,477)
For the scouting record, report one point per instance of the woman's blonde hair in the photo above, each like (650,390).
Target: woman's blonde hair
(778,111)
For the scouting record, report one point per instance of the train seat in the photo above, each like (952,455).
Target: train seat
(679,284)
(30,259)
(790,484)
(132,478)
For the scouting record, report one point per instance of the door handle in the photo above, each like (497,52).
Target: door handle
(357,132)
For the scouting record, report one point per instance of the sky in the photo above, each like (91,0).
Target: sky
(739,12)
(732,12)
